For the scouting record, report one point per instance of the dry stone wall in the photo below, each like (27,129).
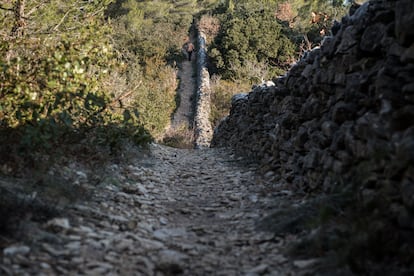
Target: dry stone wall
(343,115)
(203,128)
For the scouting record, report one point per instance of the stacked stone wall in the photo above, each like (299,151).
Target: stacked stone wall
(342,116)
(203,128)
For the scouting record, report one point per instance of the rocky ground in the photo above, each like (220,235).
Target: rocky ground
(171,212)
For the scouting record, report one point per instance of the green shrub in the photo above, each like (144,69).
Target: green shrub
(53,84)
(63,86)
(250,35)
(155,98)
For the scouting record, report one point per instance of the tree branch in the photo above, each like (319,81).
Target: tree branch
(12,10)
(123,96)
(6,9)
(61,21)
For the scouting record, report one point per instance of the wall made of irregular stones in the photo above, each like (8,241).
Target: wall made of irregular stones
(344,114)
(203,129)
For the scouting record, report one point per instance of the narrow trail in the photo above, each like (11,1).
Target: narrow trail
(184,112)
(174,212)
(186,91)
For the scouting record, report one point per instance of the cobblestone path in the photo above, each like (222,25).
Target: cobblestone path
(174,212)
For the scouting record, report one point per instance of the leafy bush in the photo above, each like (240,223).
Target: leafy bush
(250,35)
(52,83)
(63,87)
(152,28)
(156,97)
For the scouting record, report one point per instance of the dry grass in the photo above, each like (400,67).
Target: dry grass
(179,137)
(222,92)
(210,25)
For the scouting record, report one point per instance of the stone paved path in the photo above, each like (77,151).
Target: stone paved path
(175,212)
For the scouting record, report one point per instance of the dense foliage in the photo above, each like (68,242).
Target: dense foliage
(251,35)
(55,60)
(268,33)
(91,72)
(259,40)
(149,36)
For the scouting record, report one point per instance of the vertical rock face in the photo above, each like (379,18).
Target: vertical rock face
(343,115)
